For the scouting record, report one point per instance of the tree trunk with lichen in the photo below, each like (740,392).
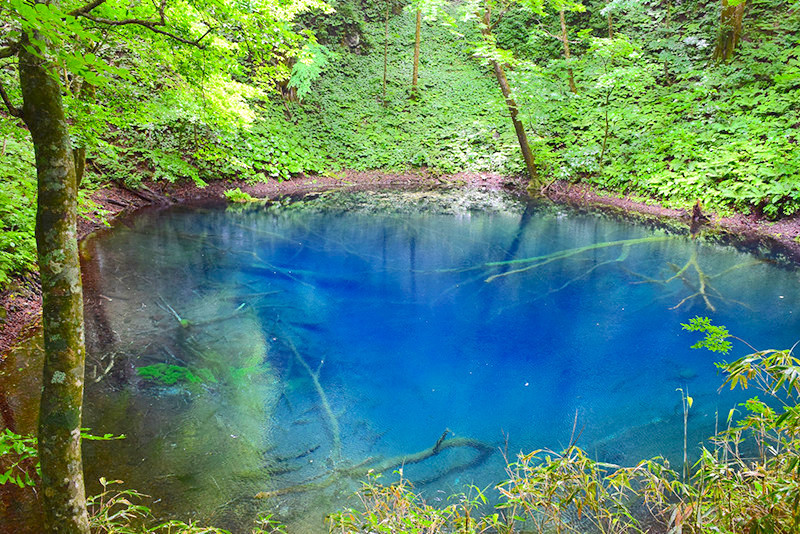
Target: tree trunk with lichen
(63,498)
(499,73)
(730,30)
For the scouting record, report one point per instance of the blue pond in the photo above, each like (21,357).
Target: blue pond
(348,328)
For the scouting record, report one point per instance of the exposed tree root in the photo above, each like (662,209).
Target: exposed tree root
(359,471)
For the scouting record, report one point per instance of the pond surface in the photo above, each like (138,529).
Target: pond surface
(249,350)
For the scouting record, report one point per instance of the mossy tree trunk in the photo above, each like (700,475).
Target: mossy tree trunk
(730,29)
(513,110)
(63,497)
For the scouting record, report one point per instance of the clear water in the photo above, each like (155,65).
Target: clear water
(395,305)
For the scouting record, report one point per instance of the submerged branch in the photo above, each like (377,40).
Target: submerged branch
(702,287)
(333,423)
(361,470)
(538,261)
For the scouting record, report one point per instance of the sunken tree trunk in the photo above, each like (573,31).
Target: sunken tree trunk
(63,497)
(565,41)
(730,30)
(415,75)
(513,111)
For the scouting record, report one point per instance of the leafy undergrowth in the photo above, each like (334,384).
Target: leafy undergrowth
(17,203)
(457,122)
(655,115)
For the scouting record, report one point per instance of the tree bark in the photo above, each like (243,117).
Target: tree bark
(417,38)
(63,495)
(730,30)
(565,41)
(513,111)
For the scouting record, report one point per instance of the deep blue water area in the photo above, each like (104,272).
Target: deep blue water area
(501,321)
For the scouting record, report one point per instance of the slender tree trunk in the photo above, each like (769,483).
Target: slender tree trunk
(63,498)
(513,111)
(730,30)
(667,23)
(668,19)
(607,130)
(415,75)
(565,41)
(79,153)
(385,52)
(610,25)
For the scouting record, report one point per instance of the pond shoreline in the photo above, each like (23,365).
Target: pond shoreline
(22,301)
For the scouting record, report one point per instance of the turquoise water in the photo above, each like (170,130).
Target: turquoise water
(399,309)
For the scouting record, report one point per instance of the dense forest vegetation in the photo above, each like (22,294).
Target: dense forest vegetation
(674,101)
(644,105)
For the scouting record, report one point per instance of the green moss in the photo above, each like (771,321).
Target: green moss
(170,375)
(237,195)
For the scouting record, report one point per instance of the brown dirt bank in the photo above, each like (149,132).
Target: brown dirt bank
(785,233)
(21,302)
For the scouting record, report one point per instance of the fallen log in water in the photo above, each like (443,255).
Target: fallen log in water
(361,470)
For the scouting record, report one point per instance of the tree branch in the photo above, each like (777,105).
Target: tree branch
(87,8)
(151,25)
(500,16)
(13,110)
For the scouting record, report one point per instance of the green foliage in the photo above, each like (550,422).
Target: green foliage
(116,511)
(748,479)
(18,459)
(398,509)
(311,61)
(113,510)
(716,337)
(267,524)
(19,456)
(17,203)
(459,123)
(237,195)
(651,117)
(170,375)
(549,488)
(665,124)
